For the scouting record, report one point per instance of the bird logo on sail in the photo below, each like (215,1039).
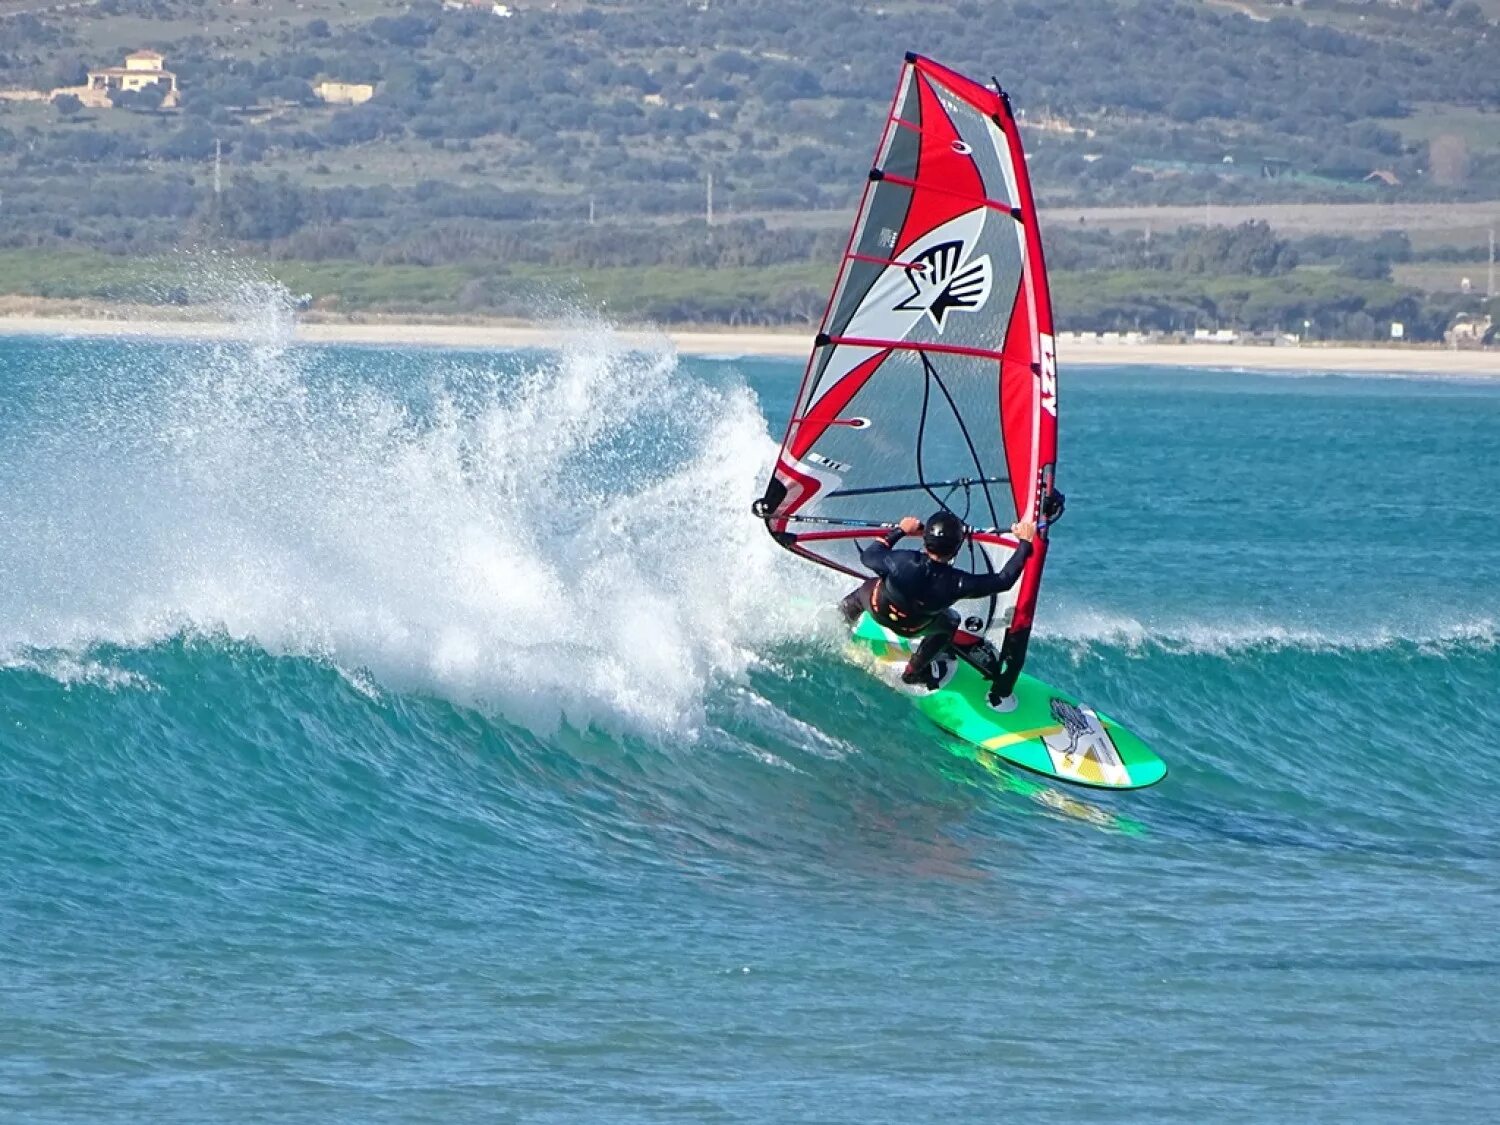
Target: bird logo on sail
(942,281)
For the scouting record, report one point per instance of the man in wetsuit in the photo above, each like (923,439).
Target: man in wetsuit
(912,591)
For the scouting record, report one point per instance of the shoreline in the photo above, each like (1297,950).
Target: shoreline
(765,343)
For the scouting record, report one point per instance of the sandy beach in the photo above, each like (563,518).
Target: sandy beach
(150,324)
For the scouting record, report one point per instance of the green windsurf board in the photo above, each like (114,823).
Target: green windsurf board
(1038,728)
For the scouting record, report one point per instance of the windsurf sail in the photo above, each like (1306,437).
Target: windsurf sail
(933,378)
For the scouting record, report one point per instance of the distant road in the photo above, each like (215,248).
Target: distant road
(15,7)
(1464,221)
(1294,218)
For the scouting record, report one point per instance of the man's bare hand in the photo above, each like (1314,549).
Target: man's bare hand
(910,525)
(1026,530)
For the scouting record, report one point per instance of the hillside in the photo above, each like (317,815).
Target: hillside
(497,132)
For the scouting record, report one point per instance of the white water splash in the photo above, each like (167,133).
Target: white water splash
(72,670)
(555,536)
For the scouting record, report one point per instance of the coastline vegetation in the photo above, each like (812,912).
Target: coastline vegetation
(1326,299)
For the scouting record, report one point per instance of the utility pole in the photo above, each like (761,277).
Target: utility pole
(1490,288)
(708,212)
(591,210)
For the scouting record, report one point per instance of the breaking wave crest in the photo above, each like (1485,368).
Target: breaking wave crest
(1081,630)
(558,535)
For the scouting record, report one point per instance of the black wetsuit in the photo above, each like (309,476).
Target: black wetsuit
(915,589)
(911,594)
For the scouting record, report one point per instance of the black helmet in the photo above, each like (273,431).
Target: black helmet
(944,534)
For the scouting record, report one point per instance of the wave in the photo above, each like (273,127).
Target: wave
(558,536)
(73,669)
(1082,629)
(1307,753)
(1416,377)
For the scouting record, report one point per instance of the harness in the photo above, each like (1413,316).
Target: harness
(884,609)
(898,621)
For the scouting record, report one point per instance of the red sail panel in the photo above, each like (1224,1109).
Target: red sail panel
(949,183)
(932,381)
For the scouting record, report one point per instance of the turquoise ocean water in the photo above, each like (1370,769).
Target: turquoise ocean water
(432,736)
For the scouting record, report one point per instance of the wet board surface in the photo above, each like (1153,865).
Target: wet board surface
(1039,728)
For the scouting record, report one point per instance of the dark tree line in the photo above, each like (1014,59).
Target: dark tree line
(782,100)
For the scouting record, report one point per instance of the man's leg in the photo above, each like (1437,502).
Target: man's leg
(857,601)
(935,639)
(1000,665)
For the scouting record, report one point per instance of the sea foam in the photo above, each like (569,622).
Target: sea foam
(562,536)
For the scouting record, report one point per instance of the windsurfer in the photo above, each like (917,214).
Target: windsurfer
(912,592)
